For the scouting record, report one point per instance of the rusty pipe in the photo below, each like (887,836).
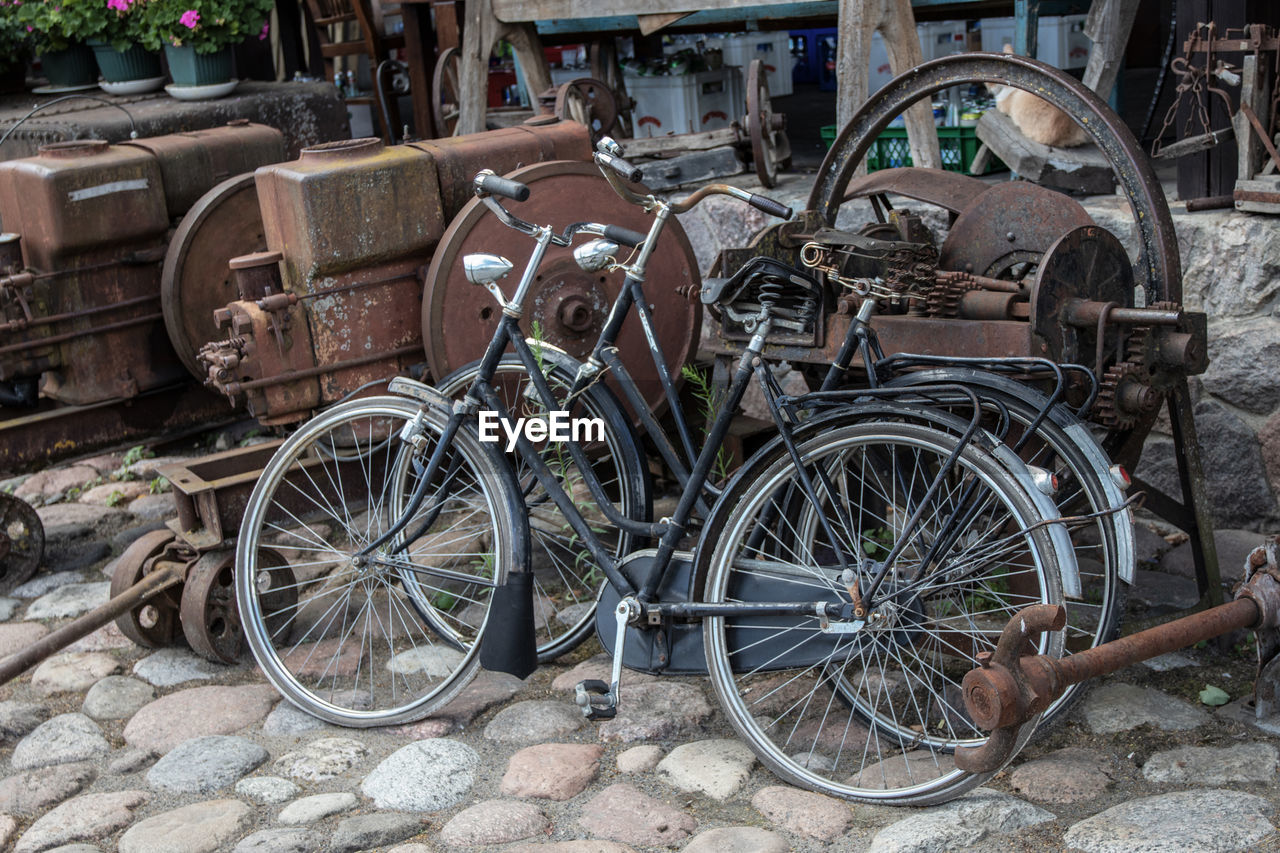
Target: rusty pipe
(166,574)
(285,378)
(96,330)
(20,325)
(1086,313)
(1002,695)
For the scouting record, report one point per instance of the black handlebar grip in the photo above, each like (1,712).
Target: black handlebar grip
(770,206)
(494,185)
(625,236)
(629,173)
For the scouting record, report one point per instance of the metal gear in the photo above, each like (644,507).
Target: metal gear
(944,299)
(1125,392)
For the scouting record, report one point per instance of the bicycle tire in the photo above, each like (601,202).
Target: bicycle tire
(321,507)
(566,597)
(1095,619)
(901,748)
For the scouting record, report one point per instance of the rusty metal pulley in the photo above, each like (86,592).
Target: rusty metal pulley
(1010,224)
(1086,263)
(21,542)
(224,224)
(589,102)
(153,623)
(210,618)
(568,304)
(770,147)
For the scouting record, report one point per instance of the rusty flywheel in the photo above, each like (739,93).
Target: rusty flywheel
(568,304)
(21,542)
(225,223)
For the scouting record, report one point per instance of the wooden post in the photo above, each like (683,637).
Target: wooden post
(858,20)
(481,32)
(1108,26)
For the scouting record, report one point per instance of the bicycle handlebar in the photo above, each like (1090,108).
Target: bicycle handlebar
(487,182)
(625,236)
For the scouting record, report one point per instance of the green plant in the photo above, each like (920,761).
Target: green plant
(205,25)
(158,485)
(115,498)
(136,454)
(14,38)
(708,406)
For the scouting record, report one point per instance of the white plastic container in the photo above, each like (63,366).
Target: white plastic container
(773,48)
(942,38)
(689,103)
(1061,41)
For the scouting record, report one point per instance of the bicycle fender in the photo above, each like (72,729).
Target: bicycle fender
(1070,570)
(1126,547)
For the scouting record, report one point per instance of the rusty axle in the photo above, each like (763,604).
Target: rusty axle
(1006,690)
(166,574)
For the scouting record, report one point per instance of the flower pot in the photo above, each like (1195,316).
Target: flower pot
(188,68)
(136,63)
(13,78)
(71,67)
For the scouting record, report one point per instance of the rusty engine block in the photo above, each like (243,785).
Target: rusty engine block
(88,226)
(351,226)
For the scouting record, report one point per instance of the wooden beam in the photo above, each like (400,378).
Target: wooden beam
(1108,25)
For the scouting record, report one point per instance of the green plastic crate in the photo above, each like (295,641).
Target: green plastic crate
(959,147)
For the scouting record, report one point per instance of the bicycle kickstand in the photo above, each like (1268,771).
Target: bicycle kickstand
(626,610)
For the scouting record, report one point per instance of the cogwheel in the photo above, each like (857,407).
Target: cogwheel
(943,299)
(1124,394)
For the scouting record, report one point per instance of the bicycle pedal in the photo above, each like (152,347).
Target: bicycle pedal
(582,694)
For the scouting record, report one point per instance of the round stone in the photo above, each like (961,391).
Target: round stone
(552,771)
(117,697)
(61,740)
(803,812)
(425,776)
(326,758)
(1118,707)
(960,824)
(739,839)
(69,601)
(622,813)
(317,807)
(494,822)
(1200,819)
(639,759)
(534,721)
(83,818)
(1207,765)
(196,828)
(267,790)
(205,764)
(198,711)
(717,768)
(168,667)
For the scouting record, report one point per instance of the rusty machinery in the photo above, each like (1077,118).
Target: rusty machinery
(100,298)
(359,277)
(758,136)
(1024,272)
(1007,688)
(21,542)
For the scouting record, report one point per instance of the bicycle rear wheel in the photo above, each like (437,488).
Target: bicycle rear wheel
(872,714)
(349,645)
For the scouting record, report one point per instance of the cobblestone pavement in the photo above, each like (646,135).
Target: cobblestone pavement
(110,746)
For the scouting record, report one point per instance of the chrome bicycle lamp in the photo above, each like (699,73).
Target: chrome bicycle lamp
(596,255)
(485,269)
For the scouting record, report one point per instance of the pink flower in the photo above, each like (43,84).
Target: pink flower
(118,5)
(189,19)
(266,26)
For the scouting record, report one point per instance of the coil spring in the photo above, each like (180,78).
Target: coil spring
(770,291)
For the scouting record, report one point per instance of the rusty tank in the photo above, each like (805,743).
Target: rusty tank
(351,226)
(88,226)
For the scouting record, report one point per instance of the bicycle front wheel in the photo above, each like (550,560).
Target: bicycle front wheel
(567,582)
(335,630)
(871,713)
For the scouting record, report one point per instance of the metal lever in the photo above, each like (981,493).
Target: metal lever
(627,610)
